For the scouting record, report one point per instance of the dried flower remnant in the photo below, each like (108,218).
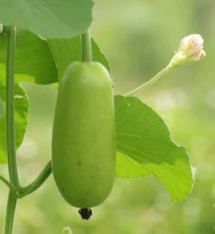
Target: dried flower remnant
(190,50)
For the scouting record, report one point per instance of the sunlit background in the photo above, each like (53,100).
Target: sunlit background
(139,38)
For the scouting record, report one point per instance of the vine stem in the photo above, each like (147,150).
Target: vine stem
(86,47)
(150,82)
(11,186)
(38,182)
(11,207)
(20,192)
(16,191)
(10,127)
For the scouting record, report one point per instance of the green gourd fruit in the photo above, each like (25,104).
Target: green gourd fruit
(83,141)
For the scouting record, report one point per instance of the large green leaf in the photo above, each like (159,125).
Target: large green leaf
(21,115)
(35,63)
(66,51)
(33,59)
(144,147)
(48,18)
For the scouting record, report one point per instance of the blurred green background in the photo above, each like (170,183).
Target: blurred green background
(139,38)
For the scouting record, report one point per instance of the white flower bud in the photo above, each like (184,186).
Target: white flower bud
(190,50)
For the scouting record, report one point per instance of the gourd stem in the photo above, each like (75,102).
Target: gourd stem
(149,83)
(10,126)
(86,47)
(38,182)
(11,207)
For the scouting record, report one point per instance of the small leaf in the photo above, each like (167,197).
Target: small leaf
(1,109)
(48,18)
(143,141)
(66,51)
(21,116)
(33,60)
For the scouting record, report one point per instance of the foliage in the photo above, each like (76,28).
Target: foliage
(143,137)
(133,161)
(58,20)
(33,59)
(21,115)
(66,51)
(69,50)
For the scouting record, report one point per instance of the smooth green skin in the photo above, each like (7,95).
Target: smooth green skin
(83,143)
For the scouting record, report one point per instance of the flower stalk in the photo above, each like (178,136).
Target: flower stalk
(190,50)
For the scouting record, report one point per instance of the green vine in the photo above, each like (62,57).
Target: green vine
(38,182)
(11,142)
(11,207)
(15,190)
(10,126)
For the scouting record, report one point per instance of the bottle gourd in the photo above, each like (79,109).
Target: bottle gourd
(83,141)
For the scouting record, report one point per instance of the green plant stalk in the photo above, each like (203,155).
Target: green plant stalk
(11,207)
(20,192)
(86,47)
(38,182)
(11,186)
(10,129)
(10,125)
(150,82)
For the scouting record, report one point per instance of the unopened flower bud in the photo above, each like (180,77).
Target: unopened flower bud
(66,230)
(190,50)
